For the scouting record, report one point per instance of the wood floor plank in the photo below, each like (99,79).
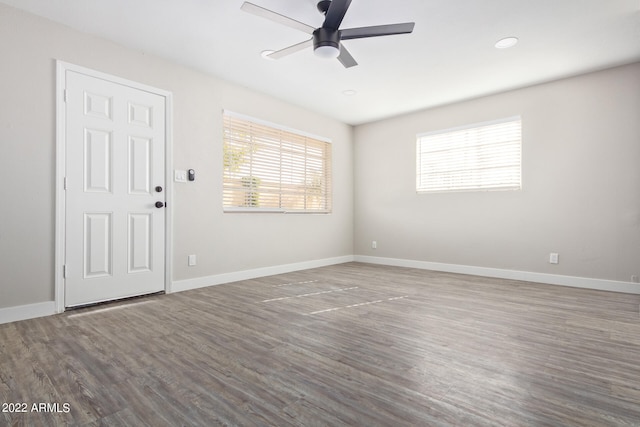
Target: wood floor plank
(352,344)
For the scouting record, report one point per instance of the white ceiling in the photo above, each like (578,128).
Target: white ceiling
(449,57)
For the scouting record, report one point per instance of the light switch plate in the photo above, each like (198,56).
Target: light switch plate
(180,175)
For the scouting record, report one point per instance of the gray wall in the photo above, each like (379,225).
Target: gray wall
(581,174)
(224,243)
(581,184)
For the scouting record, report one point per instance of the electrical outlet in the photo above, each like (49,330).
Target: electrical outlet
(192,260)
(374,245)
(554,258)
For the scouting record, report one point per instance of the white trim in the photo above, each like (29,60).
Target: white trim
(61,69)
(13,314)
(169,188)
(240,209)
(65,66)
(470,126)
(59,258)
(527,276)
(274,125)
(24,312)
(219,279)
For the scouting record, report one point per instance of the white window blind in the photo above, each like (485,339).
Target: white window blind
(485,156)
(267,168)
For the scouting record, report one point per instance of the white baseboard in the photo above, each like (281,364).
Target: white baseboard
(218,279)
(526,276)
(30,311)
(24,312)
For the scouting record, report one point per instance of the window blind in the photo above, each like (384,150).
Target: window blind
(267,168)
(485,156)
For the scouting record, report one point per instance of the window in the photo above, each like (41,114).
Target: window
(484,156)
(272,169)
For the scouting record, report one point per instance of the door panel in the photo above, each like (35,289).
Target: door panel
(98,237)
(97,161)
(115,145)
(140,160)
(97,105)
(140,247)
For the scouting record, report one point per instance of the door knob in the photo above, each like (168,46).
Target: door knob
(158,189)
(159,205)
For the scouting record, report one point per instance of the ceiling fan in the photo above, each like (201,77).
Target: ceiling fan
(326,40)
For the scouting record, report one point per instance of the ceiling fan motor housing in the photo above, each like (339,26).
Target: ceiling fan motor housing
(326,37)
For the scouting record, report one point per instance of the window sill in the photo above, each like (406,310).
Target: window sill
(271,211)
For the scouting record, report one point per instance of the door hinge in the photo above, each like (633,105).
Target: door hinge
(64,182)
(64,96)
(64,271)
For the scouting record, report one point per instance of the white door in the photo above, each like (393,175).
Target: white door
(115,176)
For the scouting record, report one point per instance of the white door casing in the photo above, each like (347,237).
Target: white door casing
(114,138)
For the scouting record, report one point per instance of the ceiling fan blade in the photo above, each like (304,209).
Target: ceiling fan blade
(335,14)
(376,31)
(273,16)
(345,58)
(291,49)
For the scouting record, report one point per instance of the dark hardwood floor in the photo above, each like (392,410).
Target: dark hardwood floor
(351,344)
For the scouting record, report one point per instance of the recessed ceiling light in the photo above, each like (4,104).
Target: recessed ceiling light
(349,92)
(506,42)
(265,54)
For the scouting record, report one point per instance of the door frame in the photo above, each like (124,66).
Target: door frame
(61,147)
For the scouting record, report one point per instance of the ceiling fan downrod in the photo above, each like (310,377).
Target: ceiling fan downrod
(323,6)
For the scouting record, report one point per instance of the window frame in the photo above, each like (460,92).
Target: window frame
(296,142)
(513,184)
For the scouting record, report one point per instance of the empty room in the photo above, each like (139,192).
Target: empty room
(320,213)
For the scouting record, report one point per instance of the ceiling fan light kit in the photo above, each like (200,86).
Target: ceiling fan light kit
(326,40)
(326,51)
